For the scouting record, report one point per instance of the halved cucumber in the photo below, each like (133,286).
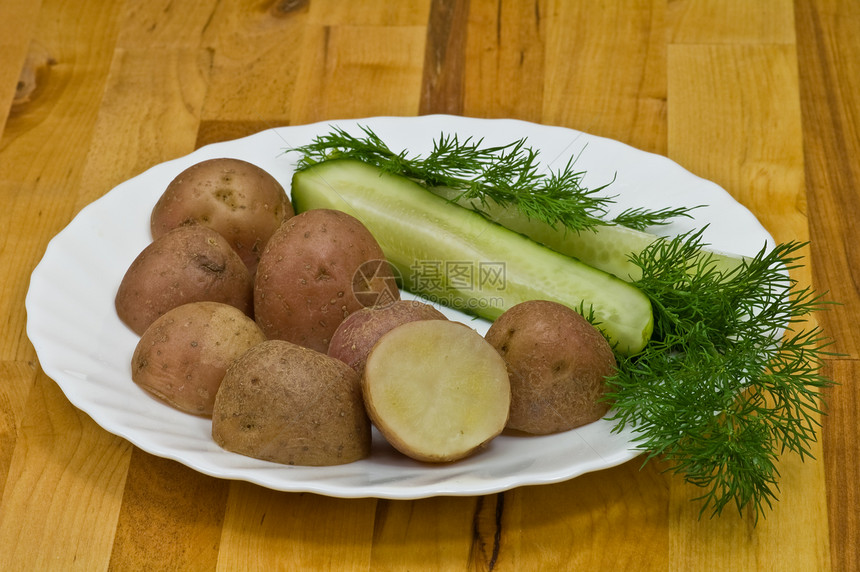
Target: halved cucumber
(606,248)
(454,256)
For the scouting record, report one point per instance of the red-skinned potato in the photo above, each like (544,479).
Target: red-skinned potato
(557,363)
(183,356)
(284,403)
(188,264)
(311,275)
(358,333)
(241,201)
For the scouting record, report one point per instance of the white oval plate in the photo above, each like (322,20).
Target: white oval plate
(84,347)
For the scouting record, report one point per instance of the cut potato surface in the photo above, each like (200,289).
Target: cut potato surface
(436,390)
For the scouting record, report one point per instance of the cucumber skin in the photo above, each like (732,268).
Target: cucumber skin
(413,225)
(607,248)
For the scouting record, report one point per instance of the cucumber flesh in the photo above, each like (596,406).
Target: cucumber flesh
(607,248)
(454,256)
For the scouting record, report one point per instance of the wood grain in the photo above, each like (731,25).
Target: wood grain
(64,483)
(171,517)
(761,97)
(42,144)
(830,49)
(725,127)
(608,76)
(343,76)
(268,530)
(840,434)
(27,60)
(504,56)
(18,378)
(444,61)
(735,22)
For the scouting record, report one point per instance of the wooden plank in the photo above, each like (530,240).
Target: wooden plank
(216,130)
(841,436)
(43,147)
(505,55)
(24,61)
(342,75)
(257,52)
(444,60)
(828,51)
(573,525)
(739,125)
(425,534)
(272,530)
(18,378)
(150,114)
(383,13)
(829,63)
(605,71)
(64,484)
(731,22)
(164,24)
(170,519)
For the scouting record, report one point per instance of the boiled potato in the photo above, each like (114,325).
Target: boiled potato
(183,356)
(285,403)
(241,201)
(557,363)
(310,274)
(436,390)
(358,333)
(188,264)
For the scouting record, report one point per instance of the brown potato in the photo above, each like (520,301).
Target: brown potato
(557,363)
(188,264)
(241,201)
(436,390)
(310,274)
(357,334)
(183,356)
(285,403)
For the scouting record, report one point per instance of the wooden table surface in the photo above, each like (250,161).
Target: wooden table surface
(760,96)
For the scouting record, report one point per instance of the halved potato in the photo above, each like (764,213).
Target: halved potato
(289,404)
(436,390)
(183,356)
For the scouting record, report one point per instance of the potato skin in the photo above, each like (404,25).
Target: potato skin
(557,364)
(188,264)
(183,356)
(238,199)
(304,287)
(285,403)
(357,334)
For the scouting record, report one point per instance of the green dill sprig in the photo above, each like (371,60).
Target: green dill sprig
(508,175)
(641,219)
(730,380)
